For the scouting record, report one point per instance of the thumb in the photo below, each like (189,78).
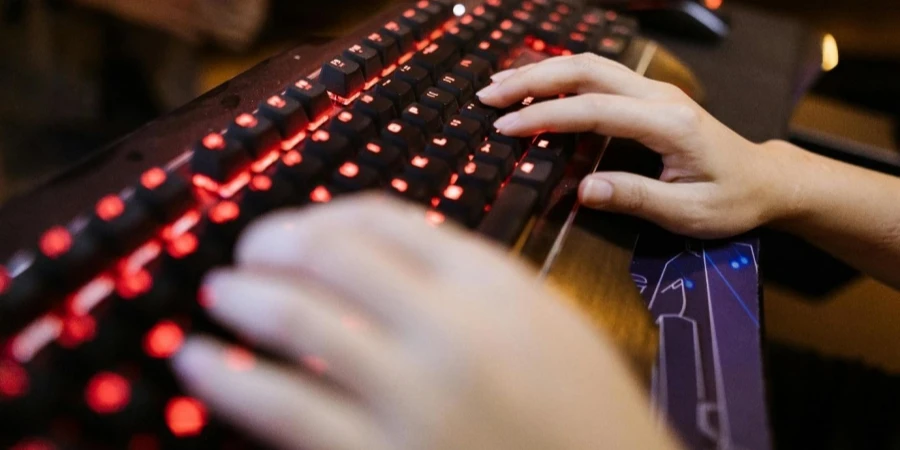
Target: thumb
(666,204)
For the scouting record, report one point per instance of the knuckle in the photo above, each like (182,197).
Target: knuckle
(684,118)
(585,64)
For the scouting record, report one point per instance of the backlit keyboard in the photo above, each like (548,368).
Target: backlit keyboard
(94,305)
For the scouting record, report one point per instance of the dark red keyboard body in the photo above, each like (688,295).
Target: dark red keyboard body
(100,267)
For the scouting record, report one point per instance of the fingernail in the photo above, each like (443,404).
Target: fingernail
(596,191)
(196,358)
(487,91)
(502,75)
(506,121)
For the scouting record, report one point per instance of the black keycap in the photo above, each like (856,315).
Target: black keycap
(218,158)
(553,147)
(256,134)
(26,297)
(415,76)
(448,149)
(514,29)
(475,69)
(549,32)
(611,47)
(224,222)
(166,195)
(463,204)
(71,259)
(458,86)
(577,42)
(313,97)
(509,214)
(440,100)
(499,7)
(381,156)
(477,26)
(564,21)
(121,225)
(488,50)
(342,76)
(502,42)
(536,174)
(286,113)
(385,45)
(367,58)
(436,59)
(431,171)
(488,16)
(480,176)
(331,148)
(32,394)
(405,137)
(426,119)
(480,112)
(594,17)
(302,171)
(375,107)
(623,26)
(438,11)
(411,189)
(460,37)
(406,42)
(357,128)
(516,144)
(353,177)
(266,192)
(398,92)
(498,155)
(525,18)
(418,22)
(465,129)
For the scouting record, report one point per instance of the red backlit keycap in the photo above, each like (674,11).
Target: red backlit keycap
(185,416)
(432,171)
(458,86)
(489,51)
(375,107)
(381,156)
(286,113)
(513,29)
(498,155)
(411,189)
(463,204)
(167,195)
(405,137)
(484,14)
(256,133)
(448,149)
(55,242)
(402,34)
(342,76)
(400,93)
(550,32)
(163,340)
(436,59)
(426,119)
(357,128)
(612,47)
(312,96)
(302,172)
(442,101)
(480,112)
(477,26)
(537,174)
(516,144)
(509,214)
(367,58)
(527,19)
(331,148)
(577,42)
(225,221)
(321,194)
(385,45)
(414,75)
(352,177)
(219,158)
(418,21)
(266,193)
(121,226)
(465,129)
(480,176)
(474,69)
(107,393)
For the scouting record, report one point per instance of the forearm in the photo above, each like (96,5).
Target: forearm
(850,212)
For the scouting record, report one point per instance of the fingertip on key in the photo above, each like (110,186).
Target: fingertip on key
(506,122)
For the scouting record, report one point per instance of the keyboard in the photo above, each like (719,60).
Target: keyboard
(100,267)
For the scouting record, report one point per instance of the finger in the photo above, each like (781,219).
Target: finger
(280,407)
(671,205)
(302,322)
(655,124)
(566,75)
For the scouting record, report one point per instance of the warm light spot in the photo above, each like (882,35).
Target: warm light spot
(263,163)
(538,45)
(608,42)
(345,116)
(303,84)
(77,329)
(392,26)
(496,34)
(320,195)
(713,4)
(578,37)
(315,364)
(292,158)
(434,218)
(506,25)
(261,183)
(205,182)
(830,54)
(395,127)
(110,207)
(373,147)
(409,13)
(163,340)
(235,185)
(349,170)
(134,284)
(239,359)
(214,141)
(183,224)
(470,168)
(400,185)
(527,167)
(13,380)
(182,246)
(185,416)
(224,212)
(107,393)
(419,161)
(246,120)
(153,178)
(5,280)
(459,10)
(34,337)
(55,242)
(276,101)
(522,15)
(484,45)
(440,142)
(453,192)
(321,136)
(479,10)
(467,19)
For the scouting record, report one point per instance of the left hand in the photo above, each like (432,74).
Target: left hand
(428,339)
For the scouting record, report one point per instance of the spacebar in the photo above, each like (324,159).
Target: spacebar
(509,214)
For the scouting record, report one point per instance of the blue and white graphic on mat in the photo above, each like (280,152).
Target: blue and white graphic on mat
(708,381)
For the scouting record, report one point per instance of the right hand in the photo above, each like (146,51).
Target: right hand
(715,183)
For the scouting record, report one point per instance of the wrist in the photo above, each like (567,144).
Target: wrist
(791,173)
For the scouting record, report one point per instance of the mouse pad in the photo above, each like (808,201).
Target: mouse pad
(704,297)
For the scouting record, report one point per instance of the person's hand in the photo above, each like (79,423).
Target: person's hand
(398,335)
(715,183)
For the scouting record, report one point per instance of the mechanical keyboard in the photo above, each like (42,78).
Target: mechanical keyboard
(100,268)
